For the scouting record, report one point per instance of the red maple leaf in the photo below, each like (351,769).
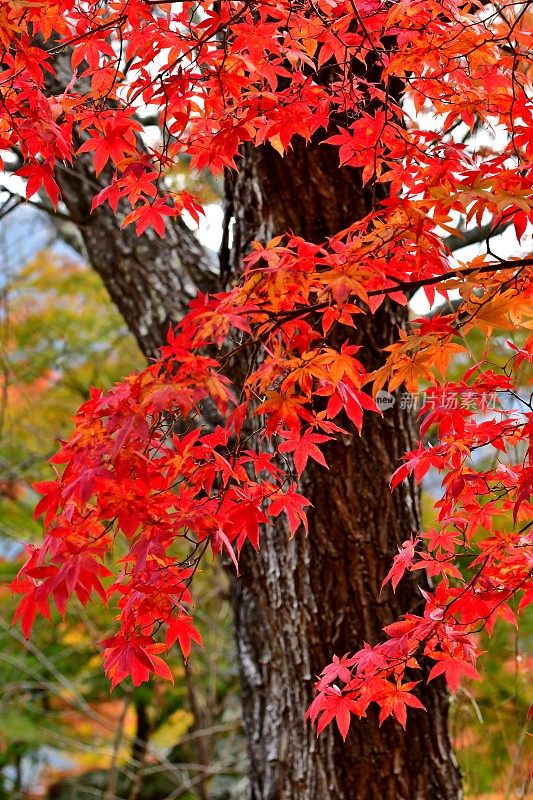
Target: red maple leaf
(330,704)
(394,700)
(303,446)
(293,504)
(150,214)
(40,174)
(113,139)
(453,668)
(181,629)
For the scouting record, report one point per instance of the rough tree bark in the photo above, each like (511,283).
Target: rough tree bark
(299,601)
(150,280)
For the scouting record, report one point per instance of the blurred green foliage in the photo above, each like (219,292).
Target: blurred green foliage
(60,334)
(488,719)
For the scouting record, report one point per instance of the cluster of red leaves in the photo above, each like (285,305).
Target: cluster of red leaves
(481,565)
(176,459)
(248,71)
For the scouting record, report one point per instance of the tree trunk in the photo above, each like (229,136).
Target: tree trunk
(143,730)
(298,602)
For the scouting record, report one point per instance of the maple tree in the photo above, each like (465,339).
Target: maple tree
(206,446)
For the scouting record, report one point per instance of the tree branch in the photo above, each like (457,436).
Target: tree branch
(474,236)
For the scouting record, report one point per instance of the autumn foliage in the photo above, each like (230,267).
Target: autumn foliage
(430,102)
